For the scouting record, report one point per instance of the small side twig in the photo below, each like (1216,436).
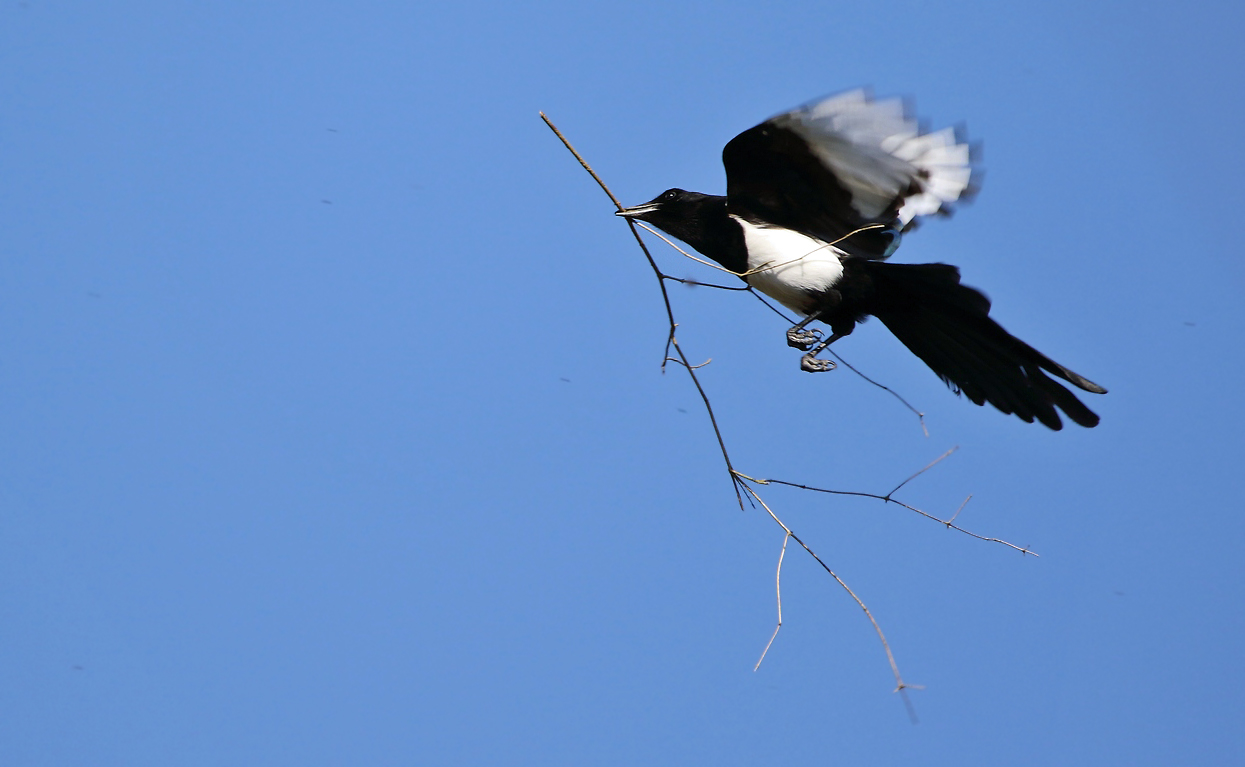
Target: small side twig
(778,589)
(928,466)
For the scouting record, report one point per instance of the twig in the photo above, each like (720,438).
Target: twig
(691,283)
(957,512)
(778,589)
(689,367)
(920,415)
(928,466)
(670,242)
(671,341)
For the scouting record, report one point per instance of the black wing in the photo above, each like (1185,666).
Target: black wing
(947,325)
(832,167)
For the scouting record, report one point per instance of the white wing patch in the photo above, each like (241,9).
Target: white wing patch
(877,151)
(789,267)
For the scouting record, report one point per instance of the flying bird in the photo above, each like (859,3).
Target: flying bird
(817,199)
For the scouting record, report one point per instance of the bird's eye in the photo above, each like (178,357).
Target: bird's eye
(670,194)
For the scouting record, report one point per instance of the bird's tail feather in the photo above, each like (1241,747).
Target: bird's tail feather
(948,326)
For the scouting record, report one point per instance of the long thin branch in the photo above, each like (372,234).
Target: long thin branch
(778,589)
(671,341)
(920,416)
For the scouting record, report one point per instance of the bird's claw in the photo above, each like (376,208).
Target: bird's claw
(799,338)
(811,364)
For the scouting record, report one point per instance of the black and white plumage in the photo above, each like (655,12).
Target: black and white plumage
(816,201)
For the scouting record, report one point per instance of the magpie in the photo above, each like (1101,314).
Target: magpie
(817,199)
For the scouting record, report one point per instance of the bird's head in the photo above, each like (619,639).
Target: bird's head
(676,211)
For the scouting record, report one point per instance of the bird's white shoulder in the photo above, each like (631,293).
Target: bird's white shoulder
(792,268)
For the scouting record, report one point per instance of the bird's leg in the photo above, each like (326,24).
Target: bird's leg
(811,364)
(799,338)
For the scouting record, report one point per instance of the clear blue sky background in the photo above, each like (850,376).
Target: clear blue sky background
(332,429)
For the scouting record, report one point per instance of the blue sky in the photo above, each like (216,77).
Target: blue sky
(332,428)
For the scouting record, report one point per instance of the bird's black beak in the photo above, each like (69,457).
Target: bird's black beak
(638,211)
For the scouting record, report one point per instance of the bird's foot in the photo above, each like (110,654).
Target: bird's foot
(811,364)
(799,338)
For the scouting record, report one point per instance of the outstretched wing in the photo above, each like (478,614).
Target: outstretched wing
(834,166)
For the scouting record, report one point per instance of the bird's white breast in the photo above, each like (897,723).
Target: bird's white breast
(790,267)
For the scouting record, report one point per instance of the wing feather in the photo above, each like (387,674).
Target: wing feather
(833,166)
